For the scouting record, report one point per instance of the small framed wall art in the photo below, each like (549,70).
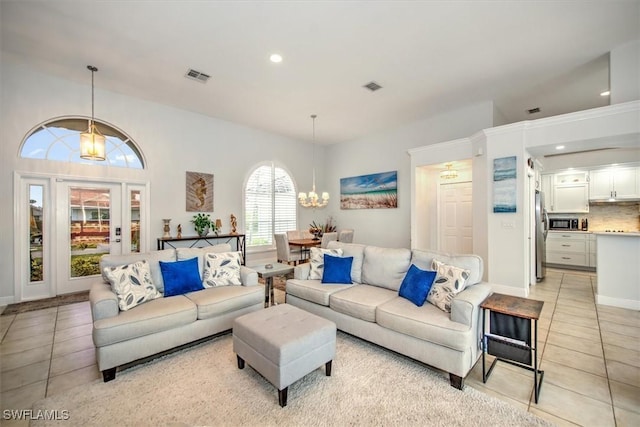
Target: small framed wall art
(505,184)
(199,192)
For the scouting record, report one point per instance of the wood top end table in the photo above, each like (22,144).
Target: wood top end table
(509,346)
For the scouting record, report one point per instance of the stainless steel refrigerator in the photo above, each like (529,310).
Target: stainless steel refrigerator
(542,228)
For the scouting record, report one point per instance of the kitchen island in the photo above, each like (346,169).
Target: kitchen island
(618,267)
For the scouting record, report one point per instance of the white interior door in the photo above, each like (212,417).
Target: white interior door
(88,225)
(456,218)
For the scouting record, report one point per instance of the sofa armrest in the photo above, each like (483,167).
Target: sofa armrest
(465,307)
(302,271)
(248,276)
(104,303)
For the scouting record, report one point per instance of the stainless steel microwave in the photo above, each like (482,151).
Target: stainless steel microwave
(563,224)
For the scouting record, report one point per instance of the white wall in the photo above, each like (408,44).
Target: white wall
(387,152)
(173,141)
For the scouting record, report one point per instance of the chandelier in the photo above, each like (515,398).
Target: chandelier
(92,141)
(449,173)
(312,200)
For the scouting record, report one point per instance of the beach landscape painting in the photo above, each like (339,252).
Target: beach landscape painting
(375,191)
(504,185)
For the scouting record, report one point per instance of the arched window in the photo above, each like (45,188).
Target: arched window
(59,140)
(270,204)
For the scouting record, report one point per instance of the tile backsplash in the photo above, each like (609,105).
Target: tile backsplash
(613,216)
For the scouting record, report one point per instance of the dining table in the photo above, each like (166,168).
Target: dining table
(305,245)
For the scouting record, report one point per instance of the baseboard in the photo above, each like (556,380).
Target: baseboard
(618,302)
(6,300)
(509,290)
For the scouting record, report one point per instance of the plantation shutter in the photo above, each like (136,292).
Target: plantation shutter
(270,205)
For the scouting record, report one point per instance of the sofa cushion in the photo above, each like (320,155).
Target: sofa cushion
(360,301)
(337,269)
(186,253)
(458,277)
(221,269)
(426,323)
(313,290)
(416,285)
(355,250)
(132,284)
(159,315)
(385,267)
(151,257)
(180,277)
(316,259)
(212,302)
(423,259)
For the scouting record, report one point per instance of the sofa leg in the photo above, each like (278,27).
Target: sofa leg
(109,374)
(240,362)
(282,397)
(327,368)
(456,381)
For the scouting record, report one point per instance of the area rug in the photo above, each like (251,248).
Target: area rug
(60,300)
(202,385)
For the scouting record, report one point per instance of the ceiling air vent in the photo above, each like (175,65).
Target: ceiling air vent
(533,110)
(372,86)
(197,75)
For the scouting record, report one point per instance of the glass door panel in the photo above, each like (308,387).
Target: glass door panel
(134,204)
(36,235)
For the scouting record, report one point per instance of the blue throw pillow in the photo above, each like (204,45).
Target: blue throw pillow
(416,285)
(180,277)
(337,269)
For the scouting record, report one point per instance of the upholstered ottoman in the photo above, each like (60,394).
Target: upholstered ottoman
(284,343)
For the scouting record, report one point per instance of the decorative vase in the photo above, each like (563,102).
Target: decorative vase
(167,228)
(203,232)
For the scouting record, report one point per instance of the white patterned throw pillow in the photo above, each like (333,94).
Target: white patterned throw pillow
(221,269)
(450,281)
(316,259)
(132,284)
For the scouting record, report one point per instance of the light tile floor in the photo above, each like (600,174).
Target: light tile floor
(590,354)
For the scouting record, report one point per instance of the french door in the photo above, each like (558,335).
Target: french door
(64,226)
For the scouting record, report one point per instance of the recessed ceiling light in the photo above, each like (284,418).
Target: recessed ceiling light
(275,58)
(559,147)
(605,93)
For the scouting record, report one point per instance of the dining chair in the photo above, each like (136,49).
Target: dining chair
(327,237)
(283,250)
(346,235)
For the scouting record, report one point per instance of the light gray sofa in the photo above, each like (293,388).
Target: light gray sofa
(371,308)
(121,337)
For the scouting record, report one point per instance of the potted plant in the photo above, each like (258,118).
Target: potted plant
(203,223)
(316,230)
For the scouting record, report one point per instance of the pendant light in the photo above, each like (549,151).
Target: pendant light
(92,142)
(449,173)
(312,200)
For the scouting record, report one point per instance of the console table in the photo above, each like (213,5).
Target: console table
(510,334)
(227,238)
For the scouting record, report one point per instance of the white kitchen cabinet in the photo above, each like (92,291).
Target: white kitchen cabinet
(568,248)
(615,183)
(547,182)
(571,192)
(593,250)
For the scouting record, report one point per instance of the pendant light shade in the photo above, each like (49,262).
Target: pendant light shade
(312,200)
(92,142)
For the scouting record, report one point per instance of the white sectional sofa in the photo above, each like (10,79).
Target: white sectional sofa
(121,337)
(371,308)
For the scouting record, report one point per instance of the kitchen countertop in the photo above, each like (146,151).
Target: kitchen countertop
(625,234)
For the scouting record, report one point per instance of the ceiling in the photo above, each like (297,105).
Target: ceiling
(428,56)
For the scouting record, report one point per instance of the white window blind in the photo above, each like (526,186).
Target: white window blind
(270,205)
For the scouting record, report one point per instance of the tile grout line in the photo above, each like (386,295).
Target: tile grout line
(53,344)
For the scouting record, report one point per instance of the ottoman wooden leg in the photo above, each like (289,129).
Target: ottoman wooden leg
(240,362)
(327,368)
(282,397)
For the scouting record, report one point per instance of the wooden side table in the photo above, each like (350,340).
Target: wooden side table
(278,269)
(508,346)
